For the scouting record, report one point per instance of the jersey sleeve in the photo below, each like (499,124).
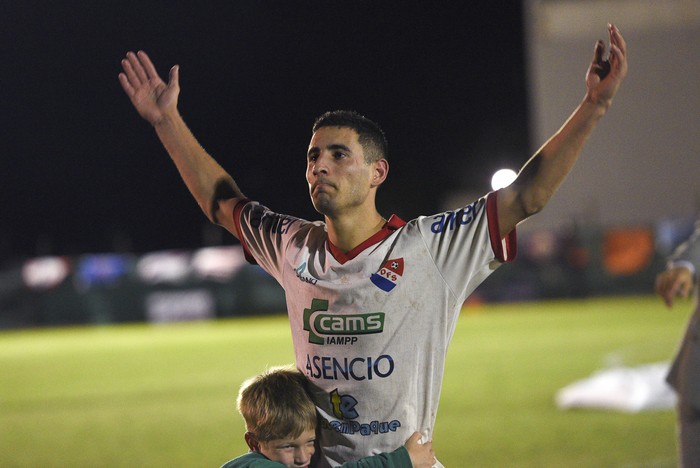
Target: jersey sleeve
(266,236)
(465,244)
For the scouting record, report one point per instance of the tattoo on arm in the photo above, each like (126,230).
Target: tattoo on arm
(525,177)
(224,190)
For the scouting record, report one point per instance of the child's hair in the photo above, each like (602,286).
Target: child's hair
(276,404)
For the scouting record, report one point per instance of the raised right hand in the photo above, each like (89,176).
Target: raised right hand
(150,95)
(422,455)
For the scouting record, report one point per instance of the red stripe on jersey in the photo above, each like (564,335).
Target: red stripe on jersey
(507,248)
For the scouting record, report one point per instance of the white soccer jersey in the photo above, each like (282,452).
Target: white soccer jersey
(371,327)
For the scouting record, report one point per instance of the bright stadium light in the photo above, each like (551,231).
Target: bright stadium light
(503,178)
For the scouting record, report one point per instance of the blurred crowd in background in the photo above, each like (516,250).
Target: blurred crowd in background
(216,281)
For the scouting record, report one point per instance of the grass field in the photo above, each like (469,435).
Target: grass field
(152,396)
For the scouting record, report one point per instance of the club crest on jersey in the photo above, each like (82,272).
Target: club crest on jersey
(388,275)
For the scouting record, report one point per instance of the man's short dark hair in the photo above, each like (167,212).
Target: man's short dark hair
(370,135)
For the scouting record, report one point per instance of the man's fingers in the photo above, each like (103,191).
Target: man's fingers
(126,86)
(174,76)
(131,66)
(617,39)
(618,59)
(598,52)
(599,66)
(145,61)
(137,68)
(131,75)
(615,56)
(415,438)
(618,50)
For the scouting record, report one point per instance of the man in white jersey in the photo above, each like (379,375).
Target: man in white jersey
(372,302)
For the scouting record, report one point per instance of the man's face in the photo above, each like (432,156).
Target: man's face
(293,453)
(338,176)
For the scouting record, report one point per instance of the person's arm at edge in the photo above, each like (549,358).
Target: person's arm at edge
(546,170)
(680,276)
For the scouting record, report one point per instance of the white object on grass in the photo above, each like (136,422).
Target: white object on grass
(628,389)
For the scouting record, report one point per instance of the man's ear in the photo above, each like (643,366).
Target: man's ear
(381,170)
(252,442)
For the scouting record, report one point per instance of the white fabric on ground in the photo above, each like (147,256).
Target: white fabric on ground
(628,389)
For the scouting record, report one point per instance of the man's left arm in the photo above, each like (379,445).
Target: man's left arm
(546,170)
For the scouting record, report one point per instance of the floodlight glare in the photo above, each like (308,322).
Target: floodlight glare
(503,178)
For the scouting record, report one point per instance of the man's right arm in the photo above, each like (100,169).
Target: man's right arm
(156,101)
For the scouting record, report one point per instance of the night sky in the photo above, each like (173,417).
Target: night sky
(81,172)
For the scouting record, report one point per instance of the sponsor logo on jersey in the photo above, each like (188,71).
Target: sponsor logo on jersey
(451,220)
(346,368)
(306,278)
(364,429)
(343,405)
(271,222)
(388,275)
(328,328)
(344,408)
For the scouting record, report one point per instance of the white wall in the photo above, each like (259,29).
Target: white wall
(642,163)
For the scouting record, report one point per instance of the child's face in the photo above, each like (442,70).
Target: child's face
(293,453)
